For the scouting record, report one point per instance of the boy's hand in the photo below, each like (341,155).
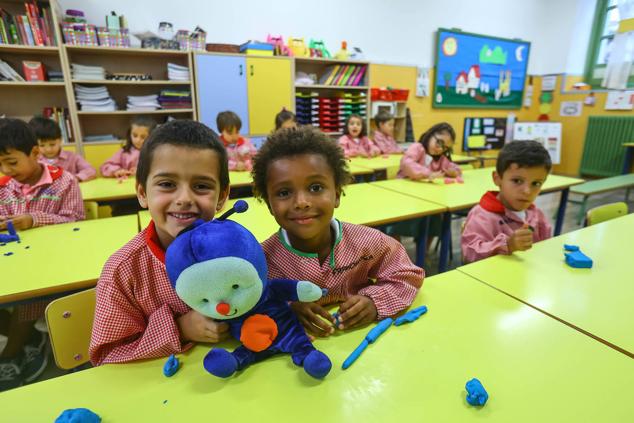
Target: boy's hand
(23,221)
(122,173)
(193,326)
(451,173)
(356,311)
(315,319)
(521,240)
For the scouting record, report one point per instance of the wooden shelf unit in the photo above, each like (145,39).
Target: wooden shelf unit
(23,100)
(313,65)
(125,60)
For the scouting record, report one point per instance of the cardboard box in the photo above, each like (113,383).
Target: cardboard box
(33,71)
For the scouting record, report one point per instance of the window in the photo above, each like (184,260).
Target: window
(605,25)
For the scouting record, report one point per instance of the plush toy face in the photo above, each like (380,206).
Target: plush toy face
(221,288)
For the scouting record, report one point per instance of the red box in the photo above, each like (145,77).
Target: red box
(33,71)
(400,95)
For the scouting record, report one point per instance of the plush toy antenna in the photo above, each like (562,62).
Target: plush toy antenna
(239,206)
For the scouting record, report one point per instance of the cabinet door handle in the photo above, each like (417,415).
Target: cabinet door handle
(241,70)
(251,70)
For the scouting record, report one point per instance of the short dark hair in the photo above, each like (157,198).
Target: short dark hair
(294,142)
(437,128)
(364,128)
(45,128)
(15,134)
(228,120)
(282,117)
(524,154)
(182,133)
(146,122)
(382,117)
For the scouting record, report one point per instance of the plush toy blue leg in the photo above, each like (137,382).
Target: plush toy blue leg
(316,363)
(220,362)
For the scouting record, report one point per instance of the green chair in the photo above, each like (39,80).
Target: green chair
(605,212)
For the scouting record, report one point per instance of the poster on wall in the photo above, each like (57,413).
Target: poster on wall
(619,100)
(570,108)
(479,71)
(484,133)
(547,134)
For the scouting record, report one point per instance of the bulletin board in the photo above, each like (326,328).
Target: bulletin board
(547,134)
(484,133)
(479,71)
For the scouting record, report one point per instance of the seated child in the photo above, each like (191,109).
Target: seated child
(240,151)
(285,119)
(182,176)
(31,194)
(124,162)
(384,135)
(300,175)
(49,139)
(355,141)
(430,157)
(508,221)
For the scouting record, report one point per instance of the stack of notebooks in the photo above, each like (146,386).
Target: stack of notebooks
(177,72)
(7,73)
(143,103)
(344,75)
(175,99)
(94,99)
(55,76)
(87,73)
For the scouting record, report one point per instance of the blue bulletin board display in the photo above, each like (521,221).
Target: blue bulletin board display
(478,71)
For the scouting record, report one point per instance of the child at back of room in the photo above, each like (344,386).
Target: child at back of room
(240,151)
(285,119)
(300,175)
(506,221)
(182,176)
(384,134)
(31,195)
(430,157)
(124,162)
(355,141)
(49,139)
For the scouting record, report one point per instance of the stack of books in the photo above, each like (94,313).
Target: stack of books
(61,116)
(94,99)
(344,75)
(87,73)
(35,28)
(177,72)
(175,99)
(55,76)
(143,103)
(7,73)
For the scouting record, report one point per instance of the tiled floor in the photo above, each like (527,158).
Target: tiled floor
(548,203)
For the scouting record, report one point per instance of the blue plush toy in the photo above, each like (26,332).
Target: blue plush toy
(218,268)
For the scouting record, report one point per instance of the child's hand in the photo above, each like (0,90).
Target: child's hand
(451,173)
(435,175)
(193,326)
(122,173)
(315,319)
(521,240)
(23,221)
(356,311)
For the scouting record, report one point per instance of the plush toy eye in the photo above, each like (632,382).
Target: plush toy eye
(235,286)
(205,300)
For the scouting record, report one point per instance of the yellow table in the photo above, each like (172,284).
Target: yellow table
(598,300)
(460,159)
(60,259)
(462,196)
(240,179)
(108,189)
(533,367)
(362,204)
(390,164)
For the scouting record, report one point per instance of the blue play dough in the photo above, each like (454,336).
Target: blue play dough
(411,316)
(570,247)
(578,260)
(78,415)
(8,254)
(171,366)
(476,394)
(76,229)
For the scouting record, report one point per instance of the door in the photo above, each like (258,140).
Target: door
(222,85)
(270,89)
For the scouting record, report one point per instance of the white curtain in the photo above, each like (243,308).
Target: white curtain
(619,64)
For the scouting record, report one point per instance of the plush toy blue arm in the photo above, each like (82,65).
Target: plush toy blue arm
(292,290)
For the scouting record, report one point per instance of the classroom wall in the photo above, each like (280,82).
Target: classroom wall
(396,31)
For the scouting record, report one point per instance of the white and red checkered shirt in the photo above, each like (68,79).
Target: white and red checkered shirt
(363,261)
(135,316)
(55,198)
(73,163)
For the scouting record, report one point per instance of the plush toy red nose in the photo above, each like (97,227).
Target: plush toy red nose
(223,308)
